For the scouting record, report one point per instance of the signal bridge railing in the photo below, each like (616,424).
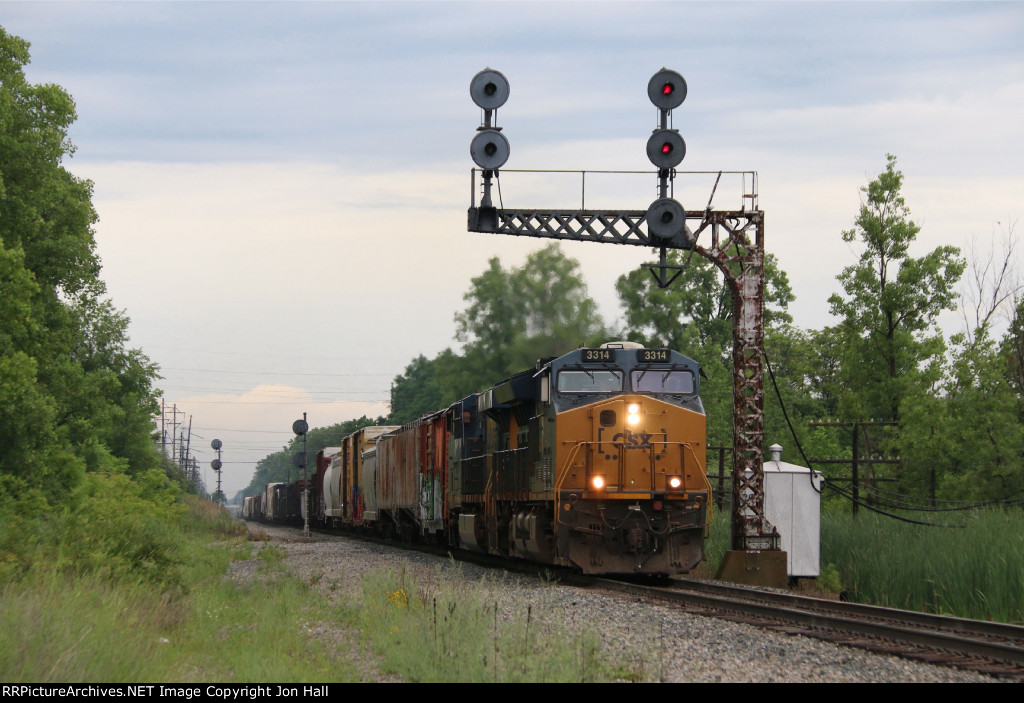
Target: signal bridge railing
(734,190)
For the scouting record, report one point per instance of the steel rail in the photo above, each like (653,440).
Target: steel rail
(995,642)
(977,645)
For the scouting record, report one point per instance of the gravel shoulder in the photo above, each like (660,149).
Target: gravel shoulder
(663,642)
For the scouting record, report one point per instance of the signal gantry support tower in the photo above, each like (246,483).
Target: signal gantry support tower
(734,241)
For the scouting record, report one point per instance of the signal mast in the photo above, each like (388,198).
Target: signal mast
(733,241)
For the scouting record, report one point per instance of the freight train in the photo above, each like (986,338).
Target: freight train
(593,460)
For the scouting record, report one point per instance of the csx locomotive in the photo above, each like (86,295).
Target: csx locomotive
(594,459)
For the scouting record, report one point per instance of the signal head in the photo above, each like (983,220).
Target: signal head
(489,89)
(666,89)
(666,219)
(489,149)
(666,148)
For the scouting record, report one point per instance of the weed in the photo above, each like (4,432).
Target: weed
(452,630)
(116,622)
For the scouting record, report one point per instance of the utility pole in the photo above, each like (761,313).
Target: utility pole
(860,429)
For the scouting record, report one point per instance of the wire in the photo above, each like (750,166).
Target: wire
(846,493)
(277,373)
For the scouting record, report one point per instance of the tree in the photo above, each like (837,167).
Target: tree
(699,301)
(892,350)
(694,316)
(415,392)
(517,316)
(74,397)
(1013,349)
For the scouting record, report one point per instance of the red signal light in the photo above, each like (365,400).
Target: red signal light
(666,89)
(666,148)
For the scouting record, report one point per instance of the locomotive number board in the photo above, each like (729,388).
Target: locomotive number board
(649,355)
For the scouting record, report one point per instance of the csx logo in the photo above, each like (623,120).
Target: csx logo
(633,440)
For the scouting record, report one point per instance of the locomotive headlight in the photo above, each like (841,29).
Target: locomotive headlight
(597,482)
(675,482)
(633,416)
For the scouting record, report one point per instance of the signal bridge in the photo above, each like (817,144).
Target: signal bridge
(734,242)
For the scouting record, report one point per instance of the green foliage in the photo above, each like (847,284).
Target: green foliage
(73,397)
(974,571)
(517,316)
(695,312)
(138,630)
(829,580)
(111,525)
(452,631)
(694,316)
(968,442)
(415,392)
(513,318)
(891,348)
(120,528)
(1012,349)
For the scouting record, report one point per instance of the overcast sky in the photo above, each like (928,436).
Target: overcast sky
(282,186)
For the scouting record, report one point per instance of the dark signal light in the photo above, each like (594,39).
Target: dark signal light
(666,219)
(489,89)
(489,149)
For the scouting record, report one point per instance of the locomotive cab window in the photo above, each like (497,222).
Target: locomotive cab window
(662,381)
(590,381)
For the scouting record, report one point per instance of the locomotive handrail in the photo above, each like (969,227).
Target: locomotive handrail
(561,479)
(490,503)
(564,469)
(703,475)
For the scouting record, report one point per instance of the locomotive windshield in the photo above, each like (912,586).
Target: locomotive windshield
(662,381)
(590,381)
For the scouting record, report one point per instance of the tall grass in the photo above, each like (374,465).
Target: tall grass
(973,571)
(458,631)
(104,609)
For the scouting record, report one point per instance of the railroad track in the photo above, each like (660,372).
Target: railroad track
(975,645)
(987,647)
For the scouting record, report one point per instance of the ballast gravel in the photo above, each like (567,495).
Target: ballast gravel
(661,642)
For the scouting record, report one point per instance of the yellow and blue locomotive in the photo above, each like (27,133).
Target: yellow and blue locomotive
(594,459)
